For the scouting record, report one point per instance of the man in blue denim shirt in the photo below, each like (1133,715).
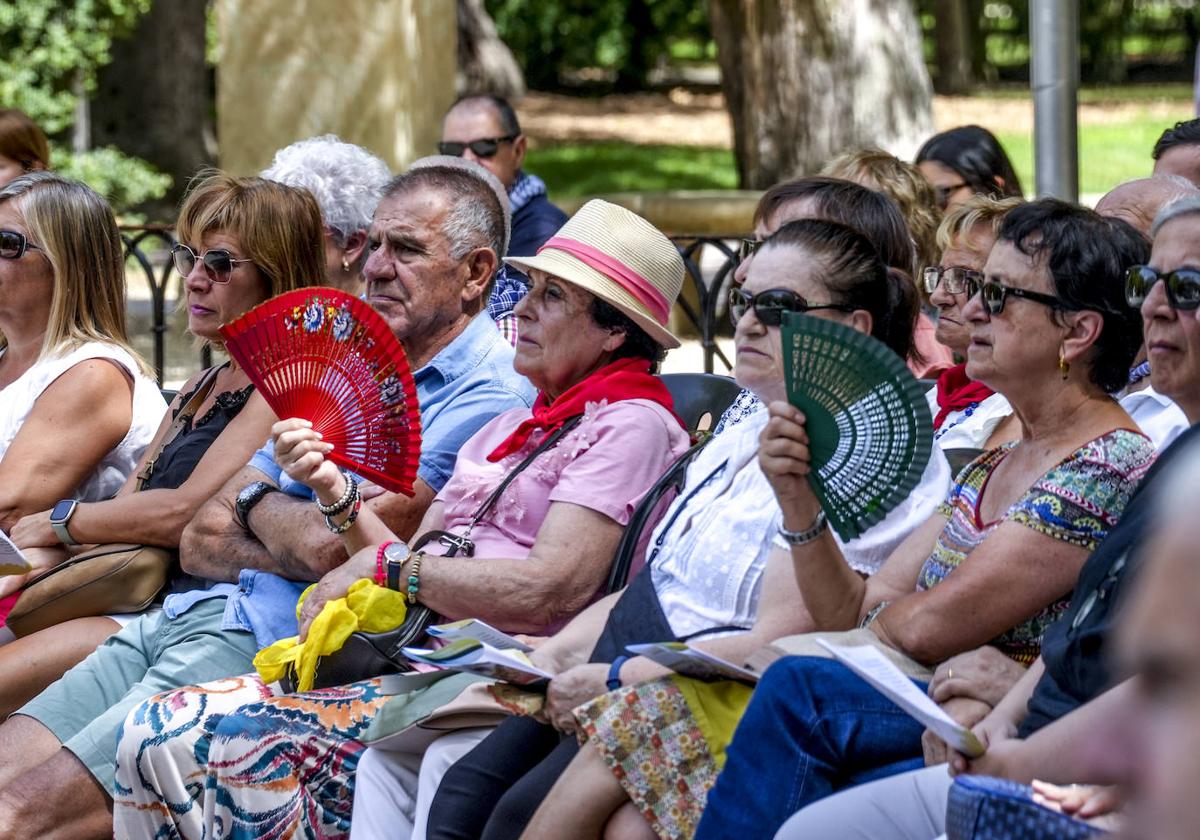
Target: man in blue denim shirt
(434,249)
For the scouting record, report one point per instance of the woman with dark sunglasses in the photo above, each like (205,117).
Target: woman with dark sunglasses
(242,240)
(967,161)
(996,564)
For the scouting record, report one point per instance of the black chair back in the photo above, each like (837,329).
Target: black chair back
(700,398)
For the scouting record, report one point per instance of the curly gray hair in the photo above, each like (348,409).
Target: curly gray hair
(346,180)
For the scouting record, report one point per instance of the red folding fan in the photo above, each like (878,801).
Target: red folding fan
(327,357)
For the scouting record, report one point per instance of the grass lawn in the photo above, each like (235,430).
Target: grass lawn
(1111,151)
(582,169)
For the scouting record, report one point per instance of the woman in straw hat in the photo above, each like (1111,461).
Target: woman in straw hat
(592,329)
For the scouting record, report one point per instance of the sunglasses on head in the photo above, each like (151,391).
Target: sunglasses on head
(483,148)
(1181,285)
(954,280)
(770,304)
(13,245)
(995,294)
(218,263)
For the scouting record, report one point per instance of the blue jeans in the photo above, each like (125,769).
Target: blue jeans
(812,728)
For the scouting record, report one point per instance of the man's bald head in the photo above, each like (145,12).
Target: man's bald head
(1138,202)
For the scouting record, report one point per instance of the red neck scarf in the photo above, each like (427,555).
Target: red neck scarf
(624,379)
(956,392)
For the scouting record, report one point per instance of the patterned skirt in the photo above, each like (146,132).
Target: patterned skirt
(227,759)
(665,741)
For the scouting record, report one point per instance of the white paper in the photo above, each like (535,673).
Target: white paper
(12,561)
(890,681)
(475,657)
(473,628)
(693,662)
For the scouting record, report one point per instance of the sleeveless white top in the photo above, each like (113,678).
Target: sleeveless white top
(17,399)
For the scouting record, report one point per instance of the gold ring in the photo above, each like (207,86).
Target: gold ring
(949,673)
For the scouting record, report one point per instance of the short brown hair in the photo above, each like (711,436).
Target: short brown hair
(21,140)
(976,210)
(904,184)
(279,226)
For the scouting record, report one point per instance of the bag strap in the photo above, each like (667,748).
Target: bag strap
(186,413)
(458,542)
(551,439)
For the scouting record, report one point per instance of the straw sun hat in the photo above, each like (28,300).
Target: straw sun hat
(620,258)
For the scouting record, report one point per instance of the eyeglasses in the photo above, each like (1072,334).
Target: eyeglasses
(482,148)
(769,305)
(747,247)
(994,295)
(1181,285)
(954,279)
(218,263)
(13,245)
(943,193)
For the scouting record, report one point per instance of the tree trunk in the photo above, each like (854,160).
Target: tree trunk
(155,100)
(485,63)
(952,41)
(805,80)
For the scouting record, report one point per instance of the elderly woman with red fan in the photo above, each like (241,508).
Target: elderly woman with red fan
(568,475)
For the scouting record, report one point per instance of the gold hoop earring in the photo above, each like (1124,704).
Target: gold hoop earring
(1064,367)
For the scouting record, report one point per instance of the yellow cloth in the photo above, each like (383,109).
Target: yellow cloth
(717,708)
(367,607)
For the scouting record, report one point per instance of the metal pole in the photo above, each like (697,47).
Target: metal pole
(1054,77)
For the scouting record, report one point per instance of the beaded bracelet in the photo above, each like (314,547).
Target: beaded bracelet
(414,577)
(345,526)
(380,572)
(344,502)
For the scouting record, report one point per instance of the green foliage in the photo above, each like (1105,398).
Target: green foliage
(50,51)
(125,181)
(583,169)
(47,47)
(626,37)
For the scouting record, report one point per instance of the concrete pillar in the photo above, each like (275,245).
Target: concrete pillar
(379,73)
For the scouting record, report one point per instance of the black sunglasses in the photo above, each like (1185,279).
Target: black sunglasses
(1181,285)
(218,263)
(747,247)
(13,245)
(942,194)
(483,148)
(770,304)
(954,279)
(995,294)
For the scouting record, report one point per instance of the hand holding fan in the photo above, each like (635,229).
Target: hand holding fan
(325,356)
(869,429)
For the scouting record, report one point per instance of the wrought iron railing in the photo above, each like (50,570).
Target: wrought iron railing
(710,263)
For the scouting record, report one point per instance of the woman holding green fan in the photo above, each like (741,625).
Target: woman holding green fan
(1055,345)
(997,563)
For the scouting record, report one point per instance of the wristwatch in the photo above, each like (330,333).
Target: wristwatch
(249,496)
(396,555)
(60,516)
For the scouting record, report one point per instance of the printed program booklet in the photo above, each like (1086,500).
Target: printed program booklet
(891,682)
(12,561)
(476,657)
(693,662)
(480,631)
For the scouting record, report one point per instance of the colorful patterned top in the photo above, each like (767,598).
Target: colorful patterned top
(1077,501)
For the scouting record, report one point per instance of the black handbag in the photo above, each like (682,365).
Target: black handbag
(367,655)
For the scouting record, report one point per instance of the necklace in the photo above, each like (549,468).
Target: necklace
(967,412)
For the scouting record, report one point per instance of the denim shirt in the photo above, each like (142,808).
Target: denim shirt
(463,387)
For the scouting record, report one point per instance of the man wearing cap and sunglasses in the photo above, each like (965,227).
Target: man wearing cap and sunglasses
(484,129)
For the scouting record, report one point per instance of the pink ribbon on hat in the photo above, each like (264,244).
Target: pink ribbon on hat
(611,267)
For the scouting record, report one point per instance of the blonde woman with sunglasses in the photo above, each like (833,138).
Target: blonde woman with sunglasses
(242,240)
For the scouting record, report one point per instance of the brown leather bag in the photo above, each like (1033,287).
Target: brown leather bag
(110,578)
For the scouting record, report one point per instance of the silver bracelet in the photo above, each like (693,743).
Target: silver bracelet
(342,503)
(808,534)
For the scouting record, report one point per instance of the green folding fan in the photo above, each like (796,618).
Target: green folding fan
(869,428)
